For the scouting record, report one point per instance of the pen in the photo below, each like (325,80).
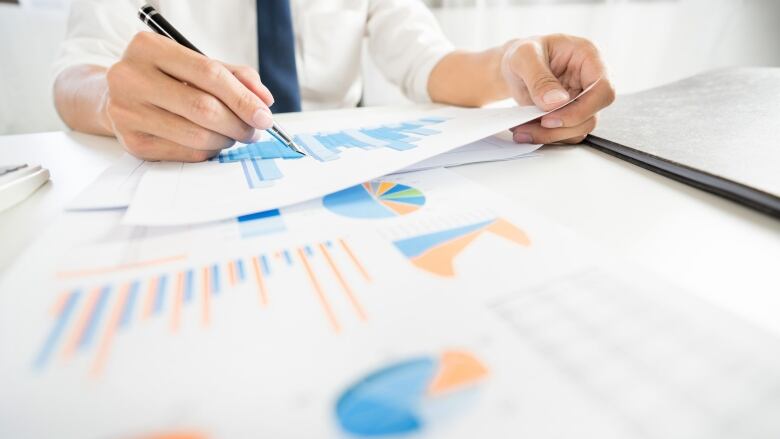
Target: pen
(149,15)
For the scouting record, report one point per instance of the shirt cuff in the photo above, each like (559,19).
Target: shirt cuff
(418,92)
(66,62)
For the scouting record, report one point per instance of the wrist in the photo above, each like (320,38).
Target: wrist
(504,72)
(103,118)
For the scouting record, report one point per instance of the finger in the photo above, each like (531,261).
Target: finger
(152,148)
(215,79)
(199,107)
(207,74)
(529,62)
(574,140)
(583,108)
(592,68)
(535,133)
(251,80)
(166,125)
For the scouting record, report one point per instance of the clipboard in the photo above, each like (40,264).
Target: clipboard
(718,131)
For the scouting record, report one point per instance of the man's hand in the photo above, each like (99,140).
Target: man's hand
(166,102)
(547,72)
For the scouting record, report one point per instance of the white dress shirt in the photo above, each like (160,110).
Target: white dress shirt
(402,37)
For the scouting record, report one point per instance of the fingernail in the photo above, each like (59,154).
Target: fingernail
(552,122)
(270,95)
(523,138)
(555,97)
(257,136)
(262,119)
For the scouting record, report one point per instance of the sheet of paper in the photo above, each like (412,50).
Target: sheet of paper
(419,300)
(345,148)
(498,147)
(114,188)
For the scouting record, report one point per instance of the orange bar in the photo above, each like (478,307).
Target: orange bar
(321,294)
(177,302)
(206,297)
(82,324)
(133,266)
(105,344)
(260,281)
(177,435)
(355,260)
(153,283)
(60,303)
(347,290)
(232,272)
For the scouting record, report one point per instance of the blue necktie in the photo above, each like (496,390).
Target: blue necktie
(276,47)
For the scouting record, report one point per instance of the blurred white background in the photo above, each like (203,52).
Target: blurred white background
(645,42)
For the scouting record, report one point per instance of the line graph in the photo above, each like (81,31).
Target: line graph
(259,160)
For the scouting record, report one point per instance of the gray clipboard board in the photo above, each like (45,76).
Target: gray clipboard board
(718,131)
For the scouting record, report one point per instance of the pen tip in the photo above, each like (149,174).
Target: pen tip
(297,148)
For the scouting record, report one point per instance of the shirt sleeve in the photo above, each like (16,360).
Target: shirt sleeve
(406,42)
(98,32)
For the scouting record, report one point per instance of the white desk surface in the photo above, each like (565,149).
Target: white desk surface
(707,245)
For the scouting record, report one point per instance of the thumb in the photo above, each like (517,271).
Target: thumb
(529,62)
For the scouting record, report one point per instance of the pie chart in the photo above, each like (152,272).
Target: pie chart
(411,396)
(375,200)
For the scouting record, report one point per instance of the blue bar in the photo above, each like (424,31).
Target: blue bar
(365,139)
(315,148)
(329,141)
(259,215)
(251,176)
(349,141)
(267,149)
(240,269)
(384,134)
(434,119)
(287,257)
(309,251)
(422,131)
(56,330)
(329,244)
(266,169)
(160,298)
(400,146)
(391,139)
(188,281)
(127,312)
(266,268)
(215,278)
(274,149)
(94,319)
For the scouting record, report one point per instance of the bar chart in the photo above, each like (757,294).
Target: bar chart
(87,321)
(259,160)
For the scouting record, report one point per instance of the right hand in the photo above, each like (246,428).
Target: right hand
(167,102)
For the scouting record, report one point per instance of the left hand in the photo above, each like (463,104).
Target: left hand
(548,71)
